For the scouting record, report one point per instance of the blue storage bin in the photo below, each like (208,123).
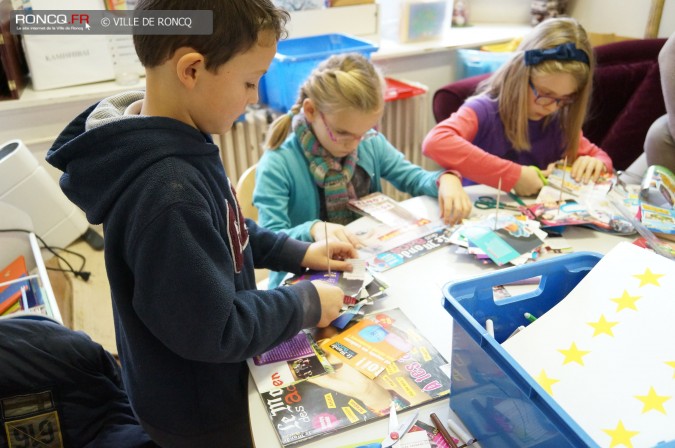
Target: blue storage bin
(295,60)
(500,403)
(476,62)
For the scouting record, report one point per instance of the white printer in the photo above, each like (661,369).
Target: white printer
(27,186)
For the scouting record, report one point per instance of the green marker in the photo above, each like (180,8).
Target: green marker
(530,317)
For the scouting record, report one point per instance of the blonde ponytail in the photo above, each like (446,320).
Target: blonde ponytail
(279,129)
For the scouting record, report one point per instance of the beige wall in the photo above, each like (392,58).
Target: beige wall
(622,17)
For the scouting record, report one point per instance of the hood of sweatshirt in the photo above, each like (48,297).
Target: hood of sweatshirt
(106,147)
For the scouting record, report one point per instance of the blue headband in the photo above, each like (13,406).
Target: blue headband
(564,52)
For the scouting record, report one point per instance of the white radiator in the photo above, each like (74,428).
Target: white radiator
(242,146)
(403,123)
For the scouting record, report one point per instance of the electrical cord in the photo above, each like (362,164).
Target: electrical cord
(81,273)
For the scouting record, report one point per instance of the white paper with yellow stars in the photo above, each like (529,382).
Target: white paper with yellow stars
(606,353)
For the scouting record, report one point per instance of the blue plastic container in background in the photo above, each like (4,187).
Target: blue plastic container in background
(295,60)
(476,62)
(497,400)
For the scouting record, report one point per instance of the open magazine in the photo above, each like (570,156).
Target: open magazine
(657,196)
(578,204)
(324,404)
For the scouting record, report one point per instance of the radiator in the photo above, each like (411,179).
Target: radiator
(403,123)
(242,146)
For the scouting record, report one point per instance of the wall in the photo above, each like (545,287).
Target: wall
(499,11)
(626,18)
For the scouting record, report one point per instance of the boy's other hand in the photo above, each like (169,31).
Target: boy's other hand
(529,183)
(335,231)
(317,255)
(332,299)
(453,201)
(587,168)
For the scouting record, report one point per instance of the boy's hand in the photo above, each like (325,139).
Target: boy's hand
(317,255)
(453,201)
(332,299)
(335,231)
(529,182)
(587,168)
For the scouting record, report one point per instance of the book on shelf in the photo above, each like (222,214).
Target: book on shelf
(327,403)
(18,290)
(13,69)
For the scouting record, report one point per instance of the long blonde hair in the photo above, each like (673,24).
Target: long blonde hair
(510,84)
(340,82)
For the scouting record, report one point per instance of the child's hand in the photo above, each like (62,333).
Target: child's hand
(316,256)
(529,182)
(587,168)
(332,299)
(335,231)
(453,201)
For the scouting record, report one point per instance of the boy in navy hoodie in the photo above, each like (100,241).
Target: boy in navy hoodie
(179,255)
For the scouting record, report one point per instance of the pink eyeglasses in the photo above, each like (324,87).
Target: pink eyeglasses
(345,137)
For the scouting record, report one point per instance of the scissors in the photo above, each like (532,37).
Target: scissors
(488,202)
(396,430)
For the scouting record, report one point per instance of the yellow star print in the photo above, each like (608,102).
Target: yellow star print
(626,301)
(671,364)
(648,277)
(602,326)
(546,382)
(653,401)
(620,435)
(574,354)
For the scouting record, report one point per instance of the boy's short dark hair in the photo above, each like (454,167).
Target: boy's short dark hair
(236,25)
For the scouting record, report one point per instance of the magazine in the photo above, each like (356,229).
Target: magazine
(657,195)
(368,347)
(587,207)
(386,210)
(412,249)
(290,371)
(328,403)
(505,241)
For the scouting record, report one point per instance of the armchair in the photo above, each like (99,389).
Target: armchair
(626,98)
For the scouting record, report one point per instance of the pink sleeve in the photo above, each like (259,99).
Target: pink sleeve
(586,148)
(449,145)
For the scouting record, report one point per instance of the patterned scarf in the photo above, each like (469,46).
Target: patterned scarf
(332,174)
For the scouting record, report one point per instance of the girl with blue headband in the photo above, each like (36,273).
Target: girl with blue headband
(526,116)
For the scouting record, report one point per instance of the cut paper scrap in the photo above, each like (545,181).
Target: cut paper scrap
(605,353)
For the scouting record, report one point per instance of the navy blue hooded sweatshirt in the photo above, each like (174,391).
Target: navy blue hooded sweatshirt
(60,388)
(180,262)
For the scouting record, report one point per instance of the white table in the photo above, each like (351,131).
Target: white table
(416,287)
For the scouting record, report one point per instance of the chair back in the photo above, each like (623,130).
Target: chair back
(244,188)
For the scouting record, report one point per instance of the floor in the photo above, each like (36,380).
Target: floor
(86,305)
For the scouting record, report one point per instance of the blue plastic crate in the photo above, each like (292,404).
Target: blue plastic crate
(500,403)
(476,62)
(295,60)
